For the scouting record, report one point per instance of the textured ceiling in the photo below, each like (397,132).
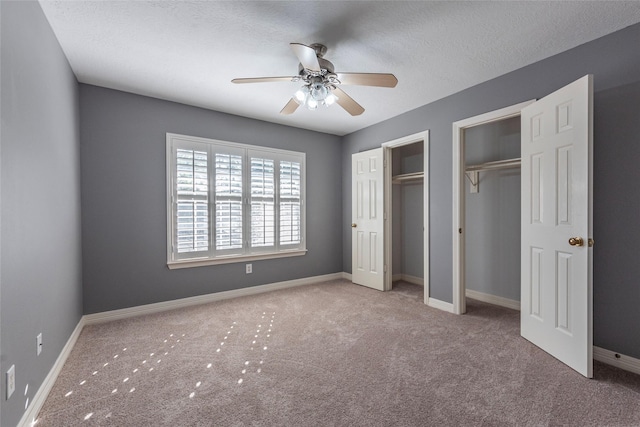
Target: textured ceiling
(188,51)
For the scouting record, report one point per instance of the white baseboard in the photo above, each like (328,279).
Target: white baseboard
(140,310)
(31,414)
(618,360)
(440,305)
(412,279)
(408,278)
(493,299)
(404,277)
(346,276)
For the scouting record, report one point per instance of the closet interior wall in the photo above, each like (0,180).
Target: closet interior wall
(407,216)
(492,238)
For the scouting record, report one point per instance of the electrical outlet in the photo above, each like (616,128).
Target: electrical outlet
(39,344)
(11,381)
(249,268)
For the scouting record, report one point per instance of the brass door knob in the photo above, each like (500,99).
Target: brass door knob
(576,241)
(354,225)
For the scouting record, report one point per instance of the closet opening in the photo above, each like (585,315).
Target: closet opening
(407,199)
(492,212)
(407,215)
(486,208)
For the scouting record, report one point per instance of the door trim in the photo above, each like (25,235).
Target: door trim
(459,285)
(388,255)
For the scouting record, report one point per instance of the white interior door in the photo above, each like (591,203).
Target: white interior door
(557,159)
(367,213)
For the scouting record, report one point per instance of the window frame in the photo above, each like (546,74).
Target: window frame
(212,256)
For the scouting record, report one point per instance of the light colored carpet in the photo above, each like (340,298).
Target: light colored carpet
(332,354)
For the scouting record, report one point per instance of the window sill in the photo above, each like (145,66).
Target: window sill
(201,262)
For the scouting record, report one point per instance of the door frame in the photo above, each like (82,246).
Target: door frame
(388,223)
(459,284)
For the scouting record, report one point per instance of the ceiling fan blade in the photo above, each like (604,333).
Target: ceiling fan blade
(265,79)
(306,56)
(291,106)
(368,79)
(346,102)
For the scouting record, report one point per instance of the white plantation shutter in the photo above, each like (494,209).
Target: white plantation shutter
(192,215)
(290,203)
(263,219)
(230,202)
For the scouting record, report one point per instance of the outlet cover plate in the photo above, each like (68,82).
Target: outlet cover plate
(249,268)
(39,344)
(11,381)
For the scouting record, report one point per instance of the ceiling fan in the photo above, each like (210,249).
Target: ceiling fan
(320,81)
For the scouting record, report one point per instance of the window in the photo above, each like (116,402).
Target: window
(229,202)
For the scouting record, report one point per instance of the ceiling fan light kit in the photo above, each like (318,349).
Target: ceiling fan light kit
(316,93)
(320,86)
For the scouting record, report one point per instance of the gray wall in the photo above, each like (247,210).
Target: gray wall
(40,207)
(124,200)
(412,218)
(396,231)
(616,275)
(615,64)
(412,214)
(407,234)
(492,246)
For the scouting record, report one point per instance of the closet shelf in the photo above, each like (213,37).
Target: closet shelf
(472,172)
(397,179)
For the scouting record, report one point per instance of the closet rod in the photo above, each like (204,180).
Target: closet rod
(473,172)
(408,177)
(498,164)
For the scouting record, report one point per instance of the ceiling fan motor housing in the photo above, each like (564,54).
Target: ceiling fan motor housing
(319,48)
(326,67)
